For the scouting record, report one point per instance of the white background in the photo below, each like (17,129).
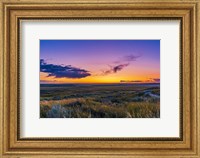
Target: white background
(165,126)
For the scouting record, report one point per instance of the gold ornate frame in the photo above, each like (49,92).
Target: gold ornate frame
(12,12)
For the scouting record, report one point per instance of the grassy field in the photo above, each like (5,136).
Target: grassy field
(99,100)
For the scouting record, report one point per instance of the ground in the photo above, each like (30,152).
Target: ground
(100,100)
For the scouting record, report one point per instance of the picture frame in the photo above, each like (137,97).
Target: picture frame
(13,12)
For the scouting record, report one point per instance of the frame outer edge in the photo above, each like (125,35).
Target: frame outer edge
(97,1)
(194,23)
(1,78)
(197,81)
(198,75)
(188,15)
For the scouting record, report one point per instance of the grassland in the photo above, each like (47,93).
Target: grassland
(99,100)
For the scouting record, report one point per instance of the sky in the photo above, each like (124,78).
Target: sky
(99,61)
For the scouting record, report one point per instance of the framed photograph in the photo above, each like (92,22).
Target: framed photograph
(107,81)
(99,79)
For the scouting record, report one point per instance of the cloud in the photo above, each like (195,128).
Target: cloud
(128,58)
(131,57)
(115,69)
(121,64)
(128,81)
(119,67)
(155,79)
(149,80)
(61,71)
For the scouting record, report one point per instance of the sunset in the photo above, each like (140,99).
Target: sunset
(99,78)
(99,61)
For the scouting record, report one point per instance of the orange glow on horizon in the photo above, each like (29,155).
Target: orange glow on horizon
(99,79)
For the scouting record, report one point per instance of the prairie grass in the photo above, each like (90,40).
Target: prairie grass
(86,108)
(144,109)
(62,102)
(110,101)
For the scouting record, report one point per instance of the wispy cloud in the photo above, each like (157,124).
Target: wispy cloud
(128,81)
(115,69)
(121,64)
(154,79)
(61,71)
(128,58)
(149,80)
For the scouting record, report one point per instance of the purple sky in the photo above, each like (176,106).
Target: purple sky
(133,60)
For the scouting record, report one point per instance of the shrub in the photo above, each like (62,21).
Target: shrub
(57,111)
(43,111)
(144,110)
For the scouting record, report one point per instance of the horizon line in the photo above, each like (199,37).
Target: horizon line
(110,83)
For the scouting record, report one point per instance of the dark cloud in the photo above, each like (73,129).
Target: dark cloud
(115,69)
(61,71)
(119,67)
(155,79)
(121,64)
(128,81)
(151,80)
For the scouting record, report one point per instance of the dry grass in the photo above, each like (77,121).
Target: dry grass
(87,107)
(100,101)
(144,109)
(62,102)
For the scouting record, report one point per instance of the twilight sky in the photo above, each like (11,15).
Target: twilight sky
(99,61)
